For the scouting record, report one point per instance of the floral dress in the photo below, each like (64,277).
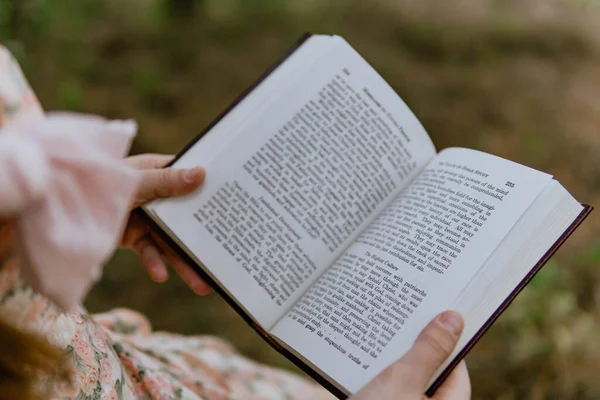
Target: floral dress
(116,355)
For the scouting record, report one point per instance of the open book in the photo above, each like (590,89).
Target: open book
(331,224)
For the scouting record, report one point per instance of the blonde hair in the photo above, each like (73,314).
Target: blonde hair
(28,365)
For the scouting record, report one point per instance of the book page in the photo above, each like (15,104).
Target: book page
(410,264)
(539,230)
(299,182)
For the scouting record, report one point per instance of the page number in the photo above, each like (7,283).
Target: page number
(346,71)
(510,184)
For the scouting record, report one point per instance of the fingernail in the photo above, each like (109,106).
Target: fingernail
(201,289)
(193,175)
(160,274)
(452,321)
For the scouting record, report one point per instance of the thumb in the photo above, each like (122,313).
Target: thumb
(410,375)
(167,182)
(433,346)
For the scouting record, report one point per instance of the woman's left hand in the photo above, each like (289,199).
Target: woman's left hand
(159,182)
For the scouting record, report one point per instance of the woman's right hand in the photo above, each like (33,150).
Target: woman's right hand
(407,378)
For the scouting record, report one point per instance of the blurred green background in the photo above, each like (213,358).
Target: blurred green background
(520,79)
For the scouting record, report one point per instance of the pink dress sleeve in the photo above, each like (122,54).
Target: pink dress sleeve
(22,164)
(19,101)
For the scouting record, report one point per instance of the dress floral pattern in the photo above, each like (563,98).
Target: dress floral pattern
(116,355)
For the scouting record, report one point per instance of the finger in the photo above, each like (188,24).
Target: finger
(169,182)
(409,375)
(433,346)
(457,386)
(152,259)
(187,274)
(134,230)
(149,161)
